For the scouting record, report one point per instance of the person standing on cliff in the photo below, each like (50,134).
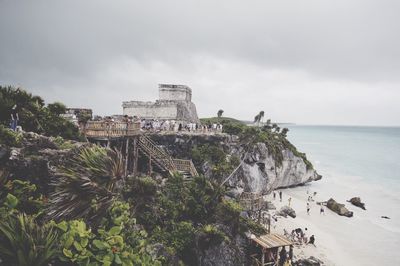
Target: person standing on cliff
(280,195)
(14,118)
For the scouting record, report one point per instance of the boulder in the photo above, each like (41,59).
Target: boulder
(286,211)
(356,201)
(338,208)
(311,261)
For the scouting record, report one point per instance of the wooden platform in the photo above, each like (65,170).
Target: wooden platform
(272,241)
(108,130)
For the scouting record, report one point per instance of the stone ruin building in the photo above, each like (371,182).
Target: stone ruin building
(174,103)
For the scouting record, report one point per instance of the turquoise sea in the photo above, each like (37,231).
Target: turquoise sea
(359,161)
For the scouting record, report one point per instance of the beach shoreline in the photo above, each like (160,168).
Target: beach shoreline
(339,240)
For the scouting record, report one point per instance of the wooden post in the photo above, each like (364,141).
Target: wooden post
(262,256)
(135,156)
(150,166)
(126,156)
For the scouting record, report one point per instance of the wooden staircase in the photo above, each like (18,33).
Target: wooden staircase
(163,160)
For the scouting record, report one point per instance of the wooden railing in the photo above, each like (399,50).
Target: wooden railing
(185,166)
(103,129)
(251,201)
(159,155)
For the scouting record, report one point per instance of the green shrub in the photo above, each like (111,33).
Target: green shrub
(9,137)
(63,144)
(24,242)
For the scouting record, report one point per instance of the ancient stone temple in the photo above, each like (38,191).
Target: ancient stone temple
(174,103)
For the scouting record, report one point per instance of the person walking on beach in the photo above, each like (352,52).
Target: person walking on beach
(289,200)
(291,254)
(308,208)
(312,240)
(282,256)
(280,195)
(322,211)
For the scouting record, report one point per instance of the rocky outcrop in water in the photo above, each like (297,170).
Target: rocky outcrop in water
(356,201)
(338,208)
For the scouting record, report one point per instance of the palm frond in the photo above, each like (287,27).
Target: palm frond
(87,184)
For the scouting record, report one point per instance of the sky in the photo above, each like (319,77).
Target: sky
(305,62)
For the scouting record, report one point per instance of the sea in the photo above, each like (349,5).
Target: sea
(358,161)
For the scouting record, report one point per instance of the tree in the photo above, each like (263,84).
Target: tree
(86,186)
(220,112)
(284,131)
(261,115)
(257,118)
(57,108)
(34,115)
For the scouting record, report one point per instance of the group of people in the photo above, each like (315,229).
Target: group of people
(299,236)
(172,125)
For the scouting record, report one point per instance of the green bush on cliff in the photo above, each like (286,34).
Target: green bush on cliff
(9,137)
(34,115)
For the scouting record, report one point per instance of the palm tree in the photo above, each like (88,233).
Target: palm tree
(257,118)
(220,112)
(87,184)
(285,131)
(261,115)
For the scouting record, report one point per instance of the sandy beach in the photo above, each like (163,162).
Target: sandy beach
(338,240)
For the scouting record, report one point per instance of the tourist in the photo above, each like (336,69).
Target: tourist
(291,254)
(274,194)
(14,118)
(322,211)
(308,208)
(282,256)
(312,240)
(280,195)
(304,236)
(289,200)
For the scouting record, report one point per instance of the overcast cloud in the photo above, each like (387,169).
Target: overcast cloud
(309,62)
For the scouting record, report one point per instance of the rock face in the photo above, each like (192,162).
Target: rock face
(311,261)
(356,201)
(34,159)
(339,208)
(261,173)
(286,211)
(224,253)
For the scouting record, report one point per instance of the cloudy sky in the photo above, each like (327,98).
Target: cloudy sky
(307,62)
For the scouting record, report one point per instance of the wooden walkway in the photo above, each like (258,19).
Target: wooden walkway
(104,130)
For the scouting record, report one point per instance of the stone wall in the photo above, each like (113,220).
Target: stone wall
(150,110)
(175,94)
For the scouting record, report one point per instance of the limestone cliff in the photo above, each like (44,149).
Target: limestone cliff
(260,171)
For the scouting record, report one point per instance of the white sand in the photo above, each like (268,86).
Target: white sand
(339,240)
